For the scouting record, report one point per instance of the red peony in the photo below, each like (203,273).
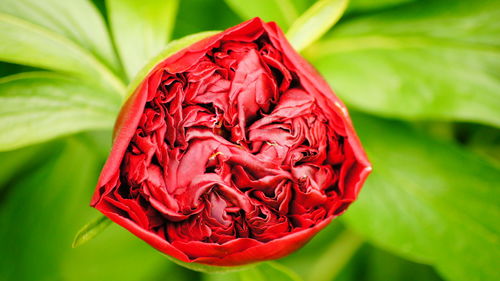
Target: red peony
(233,150)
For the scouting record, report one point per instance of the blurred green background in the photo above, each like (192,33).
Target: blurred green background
(421,79)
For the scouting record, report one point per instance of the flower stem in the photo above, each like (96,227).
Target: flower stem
(335,257)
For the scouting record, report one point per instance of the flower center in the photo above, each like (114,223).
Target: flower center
(223,148)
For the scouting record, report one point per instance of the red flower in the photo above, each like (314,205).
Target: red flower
(231,151)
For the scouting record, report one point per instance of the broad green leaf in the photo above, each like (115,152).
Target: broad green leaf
(303,261)
(374,264)
(18,163)
(337,254)
(315,22)
(140,29)
(435,60)
(484,141)
(38,106)
(191,17)
(370,5)
(429,201)
(283,12)
(44,209)
(269,271)
(91,230)
(116,254)
(303,5)
(11,68)
(77,20)
(266,271)
(377,265)
(26,43)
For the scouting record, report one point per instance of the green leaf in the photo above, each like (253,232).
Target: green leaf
(26,43)
(327,252)
(435,60)
(370,5)
(379,265)
(140,29)
(115,254)
(266,271)
(19,162)
(315,22)
(484,141)
(429,201)
(269,271)
(283,12)
(192,17)
(77,20)
(29,234)
(303,260)
(36,107)
(42,212)
(337,254)
(91,230)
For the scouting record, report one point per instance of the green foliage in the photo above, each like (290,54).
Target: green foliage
(45,44)
(91,230)
(76,20)
(339,251)
(282,12)
(193,20)
(363,6)
(315,22)
(42,213)
(427,60)
(38,106)
(336,254)
(429,201)
(140,29)
(373,264)
(16,163)
(267,271)
(430,64)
